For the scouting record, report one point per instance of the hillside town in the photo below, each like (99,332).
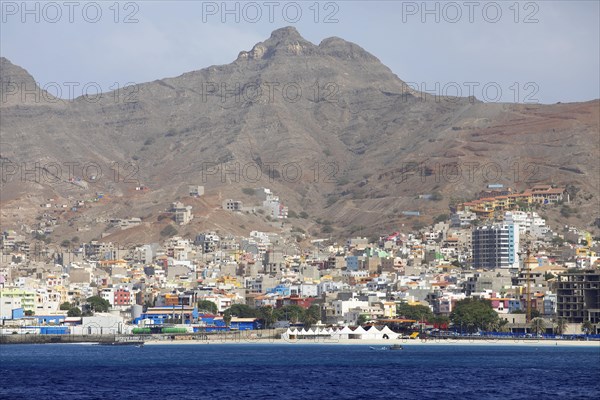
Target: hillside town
(497,249)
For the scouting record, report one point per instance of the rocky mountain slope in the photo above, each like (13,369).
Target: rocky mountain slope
(328,127)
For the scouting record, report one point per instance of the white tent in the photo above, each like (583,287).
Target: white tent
(359,330)
(320,331)
(357,333)
(335,333)
(343,333)
(373,334)
(287,333)
(390,334)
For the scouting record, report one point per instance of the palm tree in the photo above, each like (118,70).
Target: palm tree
(538,325)
(227,317)
(308,320)
(362,319)
(561,325)
(499,325)
(587,327)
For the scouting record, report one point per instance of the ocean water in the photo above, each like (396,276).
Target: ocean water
(293,371)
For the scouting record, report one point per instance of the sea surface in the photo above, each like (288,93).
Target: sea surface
(293,371)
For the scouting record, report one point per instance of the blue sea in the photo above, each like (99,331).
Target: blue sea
(267,371)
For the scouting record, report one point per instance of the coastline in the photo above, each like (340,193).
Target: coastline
(407,342)
(266,340)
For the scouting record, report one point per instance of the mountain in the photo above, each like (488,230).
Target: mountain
(19,87)
(327,127)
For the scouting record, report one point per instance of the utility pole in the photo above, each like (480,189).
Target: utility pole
(528,290)
(526,269)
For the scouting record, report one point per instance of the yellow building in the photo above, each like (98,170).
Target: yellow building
(229,280)
(27,297)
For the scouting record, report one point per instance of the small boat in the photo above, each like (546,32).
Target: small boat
(392,347)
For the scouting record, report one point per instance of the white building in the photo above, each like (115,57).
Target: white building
(183,214)
(7,305)
(462,219)
(195,190)
(527,222)
(108,294)
(341,307)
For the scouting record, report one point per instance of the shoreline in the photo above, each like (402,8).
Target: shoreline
(317,341)
(408,342)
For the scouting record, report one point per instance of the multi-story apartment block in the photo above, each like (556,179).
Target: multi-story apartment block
(578,296)
(495,246)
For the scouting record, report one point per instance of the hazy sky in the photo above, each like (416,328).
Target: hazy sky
(536,51)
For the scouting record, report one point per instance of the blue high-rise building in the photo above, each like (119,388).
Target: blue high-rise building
(495,246)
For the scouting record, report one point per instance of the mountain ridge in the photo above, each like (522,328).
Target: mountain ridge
(365,144)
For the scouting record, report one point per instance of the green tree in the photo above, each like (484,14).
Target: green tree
(291,313)
(560,324)
(417,312)
(227,317)
(474,314)
(66,306)
(74,312)
(315,311)
(500,325)
(311,315)
(308,320)
(587,327)
(548,276)
(98,304)
(267,315)
(362,319)
(208,306)
(441,320)
(242,311)
(537,325)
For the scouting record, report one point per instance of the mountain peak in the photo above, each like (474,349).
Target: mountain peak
(14,80)
(287,33)
(340,48)
(287,41)
(9,70)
